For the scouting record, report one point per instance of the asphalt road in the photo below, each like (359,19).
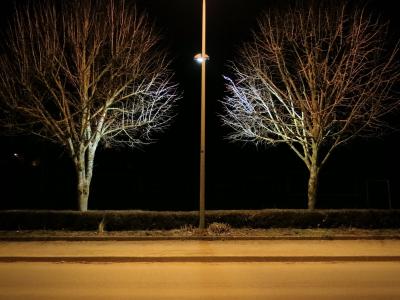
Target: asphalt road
(188,281)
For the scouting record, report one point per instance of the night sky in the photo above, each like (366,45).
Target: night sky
(164,175)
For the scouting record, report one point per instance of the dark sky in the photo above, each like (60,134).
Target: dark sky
(164,176)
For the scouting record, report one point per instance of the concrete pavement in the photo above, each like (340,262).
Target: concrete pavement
(201,251)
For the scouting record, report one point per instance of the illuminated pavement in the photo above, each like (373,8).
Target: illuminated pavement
(202,251)
(200,281)
(222,270)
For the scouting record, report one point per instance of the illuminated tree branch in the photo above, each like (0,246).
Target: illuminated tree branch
(84,72)
(313,79)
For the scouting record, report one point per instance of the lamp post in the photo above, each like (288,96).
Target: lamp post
(202,58)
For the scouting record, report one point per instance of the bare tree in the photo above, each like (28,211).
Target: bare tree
(312,78)
(84,72)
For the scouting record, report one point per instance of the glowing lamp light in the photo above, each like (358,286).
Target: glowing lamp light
(200,58)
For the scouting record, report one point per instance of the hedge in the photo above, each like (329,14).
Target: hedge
(152,220)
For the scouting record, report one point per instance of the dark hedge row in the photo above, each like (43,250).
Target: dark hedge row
(150,220)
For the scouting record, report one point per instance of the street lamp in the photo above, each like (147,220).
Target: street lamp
(202,58)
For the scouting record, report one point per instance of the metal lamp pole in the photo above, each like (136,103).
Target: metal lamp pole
(202,58)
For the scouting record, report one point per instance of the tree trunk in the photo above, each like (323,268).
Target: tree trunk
(83,192)
(84,169)
(313,180)
(312,187)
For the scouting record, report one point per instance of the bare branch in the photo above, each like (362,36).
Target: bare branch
(84,72)
(313,79)
(312,76)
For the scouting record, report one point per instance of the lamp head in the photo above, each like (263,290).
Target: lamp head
(200,58)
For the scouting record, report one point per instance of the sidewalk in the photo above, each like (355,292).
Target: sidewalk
(201,251)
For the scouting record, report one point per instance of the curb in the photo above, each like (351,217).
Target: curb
(198,259)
